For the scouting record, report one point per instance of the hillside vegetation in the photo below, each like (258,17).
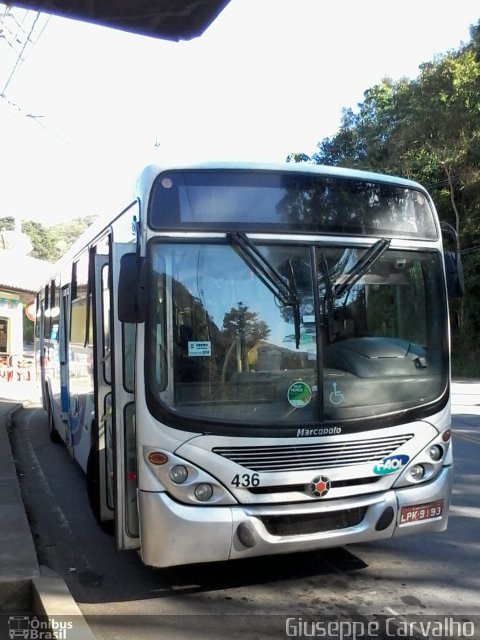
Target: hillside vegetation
(50,243)
(428,130)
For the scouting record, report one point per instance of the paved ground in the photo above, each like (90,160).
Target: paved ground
(466,400)
(24,586)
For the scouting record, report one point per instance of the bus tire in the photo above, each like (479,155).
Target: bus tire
(93,491)
(54,435)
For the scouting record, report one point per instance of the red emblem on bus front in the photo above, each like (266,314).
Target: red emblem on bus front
(319,486)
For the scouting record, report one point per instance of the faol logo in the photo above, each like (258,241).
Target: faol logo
(390,465)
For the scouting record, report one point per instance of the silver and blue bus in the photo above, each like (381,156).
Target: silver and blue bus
(254,359)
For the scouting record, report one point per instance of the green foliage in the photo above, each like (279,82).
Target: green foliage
(428,130)
(50,243)
(241,323)
(243,329)
(28,327)
(43,239)
(68,232)
(7,224)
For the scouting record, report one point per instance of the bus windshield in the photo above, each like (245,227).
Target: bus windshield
(363,334)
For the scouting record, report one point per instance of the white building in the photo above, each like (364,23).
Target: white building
(20,278)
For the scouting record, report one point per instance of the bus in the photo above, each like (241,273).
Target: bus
(254,359)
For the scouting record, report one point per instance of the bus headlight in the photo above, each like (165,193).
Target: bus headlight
(417,472)
(182,480)
(178,474)
(203,492)
(435,452)
(428,463)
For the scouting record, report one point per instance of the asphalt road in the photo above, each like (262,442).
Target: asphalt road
(424,575)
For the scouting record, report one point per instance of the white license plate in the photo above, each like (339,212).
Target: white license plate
(417,512)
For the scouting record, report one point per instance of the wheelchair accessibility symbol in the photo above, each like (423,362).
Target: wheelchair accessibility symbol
(336,397)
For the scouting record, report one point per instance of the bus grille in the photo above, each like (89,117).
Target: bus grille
(313,523)
(334,484)
(313,456)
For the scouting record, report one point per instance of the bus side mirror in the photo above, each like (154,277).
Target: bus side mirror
(132,298)
(453,262)
(454,274)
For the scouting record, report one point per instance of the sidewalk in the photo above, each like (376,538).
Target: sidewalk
(25,587)
(18,559)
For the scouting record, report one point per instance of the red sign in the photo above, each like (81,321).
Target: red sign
(30,311)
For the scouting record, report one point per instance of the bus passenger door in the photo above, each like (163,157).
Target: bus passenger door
(64,323)
(124,433)
(102,449)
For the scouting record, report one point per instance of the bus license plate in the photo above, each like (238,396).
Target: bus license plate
(417,512)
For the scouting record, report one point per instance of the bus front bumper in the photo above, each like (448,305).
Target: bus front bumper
(175,534)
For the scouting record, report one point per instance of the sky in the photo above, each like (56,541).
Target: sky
(90,106)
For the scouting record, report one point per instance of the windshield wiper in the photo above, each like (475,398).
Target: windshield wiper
(327,301)
(360,268)
(284,289)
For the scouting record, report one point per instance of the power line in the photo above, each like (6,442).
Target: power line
(11,36)
(470,249)
(17,37)
(19,58)
(9,42)
(34,42)
(12,15)
(35,118)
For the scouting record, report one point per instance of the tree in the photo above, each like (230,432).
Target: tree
(7,224)
(50,243)
(241,323)
(242,328)
(428,130)
(69,232)
(43,240)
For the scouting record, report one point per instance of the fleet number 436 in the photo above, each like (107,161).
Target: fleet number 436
(246,480)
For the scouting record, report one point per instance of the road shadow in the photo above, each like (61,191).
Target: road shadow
(69,541)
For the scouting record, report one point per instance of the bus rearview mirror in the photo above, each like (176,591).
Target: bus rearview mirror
(453,262)
(454,274)
(132,300)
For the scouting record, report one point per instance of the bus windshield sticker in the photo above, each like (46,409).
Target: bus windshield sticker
(336,397)
(390,464)
(196,349)
(299,394)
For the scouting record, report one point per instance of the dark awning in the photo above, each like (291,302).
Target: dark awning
(167,19)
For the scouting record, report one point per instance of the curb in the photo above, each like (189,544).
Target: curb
(52,598)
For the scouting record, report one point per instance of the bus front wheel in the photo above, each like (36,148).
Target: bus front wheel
(54,435)
(93,491)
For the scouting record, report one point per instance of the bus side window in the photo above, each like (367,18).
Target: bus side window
(79,300)
(46,321)
(55,310)
(128,335)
